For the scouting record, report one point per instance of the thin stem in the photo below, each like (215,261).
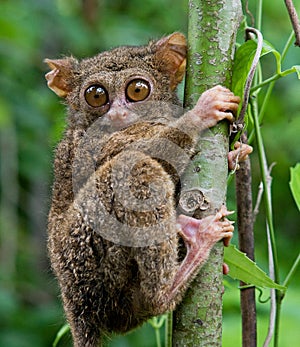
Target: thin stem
(273,78)
(273,303)
(269,214)
(271,86)
(168,330)
(279,297)
(287,46)
(259,15)
(264,173)
(266,82)
(263,109)
(266,101)
(292,272)
(157,324)
(157,336)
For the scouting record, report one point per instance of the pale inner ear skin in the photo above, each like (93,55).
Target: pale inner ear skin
(60,75)
(171,55)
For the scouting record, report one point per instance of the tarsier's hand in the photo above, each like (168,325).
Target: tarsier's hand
(214,105)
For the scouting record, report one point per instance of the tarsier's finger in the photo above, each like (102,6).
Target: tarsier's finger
(227,225)
(229,106)
(223,212)
(226,237)
(225,115)
(234,98)
(229,96)
(226,241)
(227,232)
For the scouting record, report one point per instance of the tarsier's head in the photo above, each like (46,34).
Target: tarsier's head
(111,84)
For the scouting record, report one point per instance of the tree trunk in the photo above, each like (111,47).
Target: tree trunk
(211,38)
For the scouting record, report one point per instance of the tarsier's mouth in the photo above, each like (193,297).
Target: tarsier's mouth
(121,124)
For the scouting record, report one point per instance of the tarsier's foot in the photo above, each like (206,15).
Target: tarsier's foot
(239,154)
(206,231)
(199,236)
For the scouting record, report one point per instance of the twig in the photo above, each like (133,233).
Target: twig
(294,19)
(292,271)
(261,190)
(249,13)
(258,200)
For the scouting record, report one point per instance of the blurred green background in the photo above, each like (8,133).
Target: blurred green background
(31,123)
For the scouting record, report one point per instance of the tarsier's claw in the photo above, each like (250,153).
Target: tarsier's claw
(223,212)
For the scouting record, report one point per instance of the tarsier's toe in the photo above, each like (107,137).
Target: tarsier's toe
(227,232)
(239,154)
(226,225)
(223,212)
(225,269)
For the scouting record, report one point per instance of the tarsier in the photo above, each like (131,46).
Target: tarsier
(114,232)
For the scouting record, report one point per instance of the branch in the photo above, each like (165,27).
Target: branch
(246,245)
(294,19)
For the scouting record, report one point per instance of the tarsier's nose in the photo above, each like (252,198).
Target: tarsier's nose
(117,114)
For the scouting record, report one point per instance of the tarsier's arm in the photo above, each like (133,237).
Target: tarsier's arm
(215,104)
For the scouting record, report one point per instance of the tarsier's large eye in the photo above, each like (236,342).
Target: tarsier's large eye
(96,95)
(137,90)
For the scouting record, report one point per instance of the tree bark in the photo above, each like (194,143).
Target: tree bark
(211,38)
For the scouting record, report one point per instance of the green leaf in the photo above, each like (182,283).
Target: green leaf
(243,61)
(244,269)
(295,183)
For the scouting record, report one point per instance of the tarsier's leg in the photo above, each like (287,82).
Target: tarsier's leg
(199,237)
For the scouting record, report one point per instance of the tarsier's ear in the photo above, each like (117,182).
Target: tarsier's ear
(60,77)
(171,54)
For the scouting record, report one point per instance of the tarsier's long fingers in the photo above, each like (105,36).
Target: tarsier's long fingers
(227,100)
(214,105)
